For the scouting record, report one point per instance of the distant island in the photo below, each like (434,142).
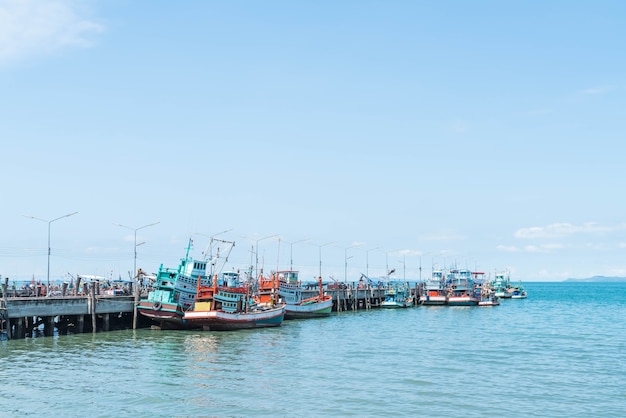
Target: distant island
(598,279)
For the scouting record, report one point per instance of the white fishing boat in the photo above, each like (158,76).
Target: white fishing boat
(434,290)
(290,292)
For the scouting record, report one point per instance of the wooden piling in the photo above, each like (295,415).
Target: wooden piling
(80,324)
(48,326)
(76,289)
(7,323)
(136,301)
(106,322)
(92,296)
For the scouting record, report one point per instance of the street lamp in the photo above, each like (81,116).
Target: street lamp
(323,245)
(49,222)
(291,252)
(136,245)
(367,261)
(387,271)
(345,272)
(256,251)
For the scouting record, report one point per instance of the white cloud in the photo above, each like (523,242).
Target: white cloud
(564,229)
(544,248)
(35,27)
(508,249)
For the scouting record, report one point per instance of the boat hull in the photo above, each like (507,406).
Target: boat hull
(167,315)
(394,304)
(438,300)
(462,301)
(311,310)
(224,321)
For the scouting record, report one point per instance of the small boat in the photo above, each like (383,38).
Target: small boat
(519,292)
(290,292)
(434,292)
(230,307)
(397,295)
(174,291)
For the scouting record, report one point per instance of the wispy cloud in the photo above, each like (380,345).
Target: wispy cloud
(442,237)
(508,248)
(35,27)
(598,90)
(543,248)
(565,229)
(409,253)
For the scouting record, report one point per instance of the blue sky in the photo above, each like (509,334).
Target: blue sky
(485,134)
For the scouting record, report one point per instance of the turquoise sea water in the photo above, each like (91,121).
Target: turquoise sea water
(559,353)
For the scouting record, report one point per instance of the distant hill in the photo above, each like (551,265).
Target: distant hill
(598,279)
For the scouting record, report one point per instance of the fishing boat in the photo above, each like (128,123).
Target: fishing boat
(519,292)
(230,307)
(502,285)
(290,293)
(174,290)
(488,296)
(397,295)
(435,290)
(266,289)
(462,289)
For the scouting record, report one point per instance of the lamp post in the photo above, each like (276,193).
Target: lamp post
(291,252)
(50,222)
(367,262)
(345,271)
(320,247)
(256,251)
(136,245)
(387,271)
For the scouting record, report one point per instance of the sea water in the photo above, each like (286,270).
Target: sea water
(559,353)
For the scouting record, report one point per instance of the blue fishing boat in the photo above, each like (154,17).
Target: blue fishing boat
(174,290)
(397,295)
(488,295)
(519,292)
(501,285)
(462,289)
